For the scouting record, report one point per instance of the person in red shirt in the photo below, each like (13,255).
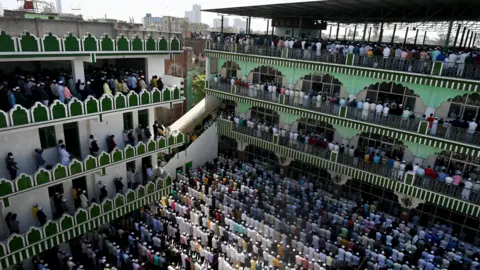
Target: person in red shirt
(324,144)
(434,174)
(111,143)
(430,120)
(428,172)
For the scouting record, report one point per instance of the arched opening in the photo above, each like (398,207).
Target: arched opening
(265,116)
(466,107)
(265,158)
(392,93)
(454,163)
(384,145)
(266,74)
(229,69)
(319,128)
(228,106)
(323,84)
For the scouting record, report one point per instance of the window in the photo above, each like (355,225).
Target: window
(322,84)
(229,69)
(54,189)
(460,163)
(392,147)
(265,74)
(466,107)
(130,165)
(47,137)
(143,118)
(265,116)
(128,121)
(310,126)
(391,92)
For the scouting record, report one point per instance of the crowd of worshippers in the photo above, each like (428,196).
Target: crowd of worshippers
(366,110)
(25,88)
(295,222)
(370,49)
(383,158)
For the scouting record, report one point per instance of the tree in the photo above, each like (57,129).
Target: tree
(198,88)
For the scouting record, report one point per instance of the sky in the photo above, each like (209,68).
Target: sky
(124,9)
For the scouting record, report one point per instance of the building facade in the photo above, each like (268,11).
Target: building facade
(415,139)
(23,130)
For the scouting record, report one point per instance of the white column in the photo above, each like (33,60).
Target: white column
(155,65)
(78,70)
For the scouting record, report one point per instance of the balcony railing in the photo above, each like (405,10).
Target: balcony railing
(458,70)
(455,191)
(410,123)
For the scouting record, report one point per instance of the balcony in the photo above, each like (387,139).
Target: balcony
(19,117)
(43,178)
(20,247)
(426,67)
(407,183)
(414,129)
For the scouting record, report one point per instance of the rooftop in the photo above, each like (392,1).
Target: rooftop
(361,11)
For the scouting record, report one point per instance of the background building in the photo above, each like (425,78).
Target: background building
(194,15)
(239,24)
(217,23)
(152,22)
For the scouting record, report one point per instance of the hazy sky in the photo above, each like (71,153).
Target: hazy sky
(123,9)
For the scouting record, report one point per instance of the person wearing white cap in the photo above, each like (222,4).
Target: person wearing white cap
(59,92)
(84,200)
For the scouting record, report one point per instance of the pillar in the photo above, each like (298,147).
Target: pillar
(416,36)
(241,146)
(381,33)
(268,24)
(345,36)
(393,35)
(354,32)
(221,26)
(364,32)
(456,35)
(463,36)
(471,39)
(249,24)
(405,39)
(369,33)
(330,34)
(78,71)
(466,39)
(449,32)
(338,30)
(424,37)
(155,65)
(474,39)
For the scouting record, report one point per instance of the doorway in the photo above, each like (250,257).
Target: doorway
(72,140)
(80,183)
(143,118)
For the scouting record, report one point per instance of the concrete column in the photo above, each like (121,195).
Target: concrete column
(393,35)
(155,65)
(456,35)
(364,32)
(78,70)
(381,33)
(449,32)
(405,39)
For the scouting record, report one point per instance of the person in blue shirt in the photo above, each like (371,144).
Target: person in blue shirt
(60,94)
(376,159)
(441,57)
(441,176)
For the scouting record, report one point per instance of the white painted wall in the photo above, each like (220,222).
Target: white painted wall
(155,65)
(170,81)
(197,152)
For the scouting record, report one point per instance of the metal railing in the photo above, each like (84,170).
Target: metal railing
(389,120)
(451,190)
(420,66)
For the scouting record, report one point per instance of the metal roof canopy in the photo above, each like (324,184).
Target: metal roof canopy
(364,11)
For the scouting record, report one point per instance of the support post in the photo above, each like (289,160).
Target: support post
(463,36)
(369,33)
(345,36)
(474,39)
(466,39)
(471,39)
(221,26)
(449,32)
(364,32)
(249,25)
(330,34)
(456,35)
(405,39)
(415,40)
(338,30)
(394,31)
(424,37)
(268,24)
(354,32)
(273,30)
(381,33)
